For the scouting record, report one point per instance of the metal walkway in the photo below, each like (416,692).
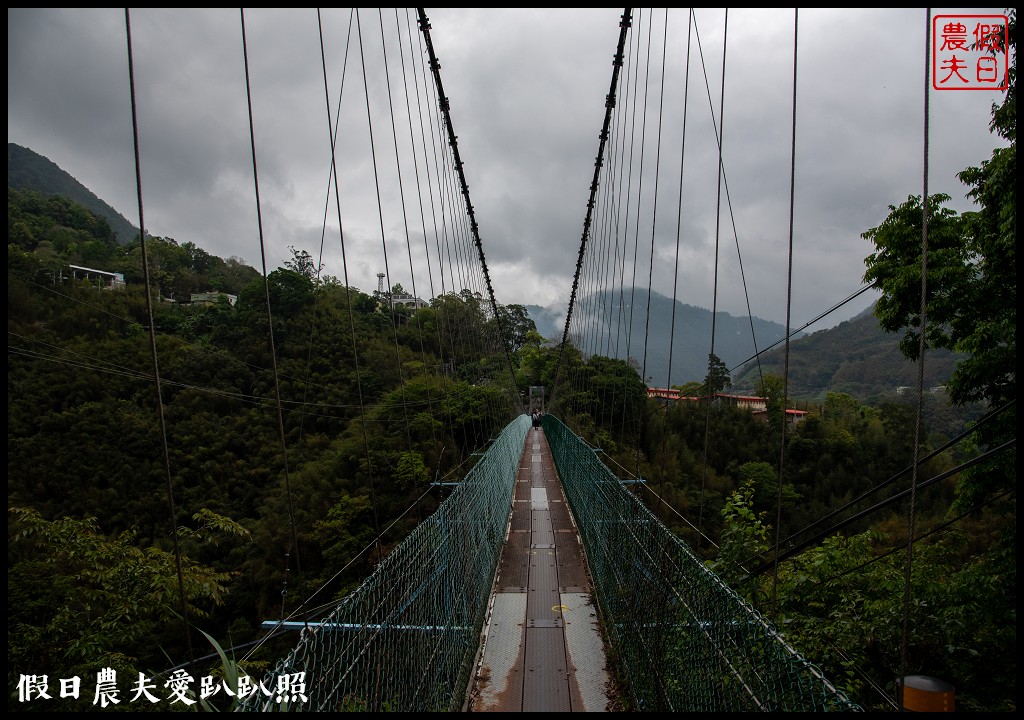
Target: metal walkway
(542,648)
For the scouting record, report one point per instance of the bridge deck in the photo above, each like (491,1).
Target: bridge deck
(542,648)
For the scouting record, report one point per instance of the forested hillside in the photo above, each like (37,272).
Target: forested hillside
(658,324)
(228,462)
(375,404)
(28,170)
(856,357)
(294,467)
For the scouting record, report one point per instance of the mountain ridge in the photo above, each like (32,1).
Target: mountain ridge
(856,356)
(649,341)
(28,170)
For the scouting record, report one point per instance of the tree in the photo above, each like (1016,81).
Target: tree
(535,360)
(841,409)
(302,263)
(516,325)
(718,378)
(79,600)
(289,291)
(745,533)
(971,288)
(690,389)
(772,389)
(840,602)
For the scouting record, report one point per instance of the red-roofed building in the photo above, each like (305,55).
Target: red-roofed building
(758,406)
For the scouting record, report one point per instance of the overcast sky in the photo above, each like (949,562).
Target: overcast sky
(527,91)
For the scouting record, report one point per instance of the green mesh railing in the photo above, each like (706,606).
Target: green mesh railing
(407,638)
(682,637)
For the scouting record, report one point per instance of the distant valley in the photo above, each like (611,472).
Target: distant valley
(855,357)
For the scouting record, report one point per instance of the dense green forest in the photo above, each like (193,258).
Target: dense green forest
(269,496)
(856,357)
(265,520)
(28,170)
(230,460)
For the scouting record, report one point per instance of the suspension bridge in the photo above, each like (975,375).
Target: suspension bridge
(489,604)
(543,581)
(506,548)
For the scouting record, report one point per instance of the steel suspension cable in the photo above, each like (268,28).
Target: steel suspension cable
(266,291)
(624,196)
(165,453)
(469,218)
(639,207)
(623,325)
(474,227)
(388,298)
(714,291)
(609,258)
(612,211)
(419,198)
(417,69)
(724,184)
(679,215)
(624,24)
(903,494)
(789,300)
(627,114)
(412,138)
(443,188)
(938,528)
(911,519)
(402,202)
(333,129)
(599,255)
(841,303)
(348,287)
(975,426)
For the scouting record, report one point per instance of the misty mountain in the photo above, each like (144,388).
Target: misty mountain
(550,323)
(856,357)
(690,342)
(28,170)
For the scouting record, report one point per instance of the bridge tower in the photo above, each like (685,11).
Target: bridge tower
(536,399)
